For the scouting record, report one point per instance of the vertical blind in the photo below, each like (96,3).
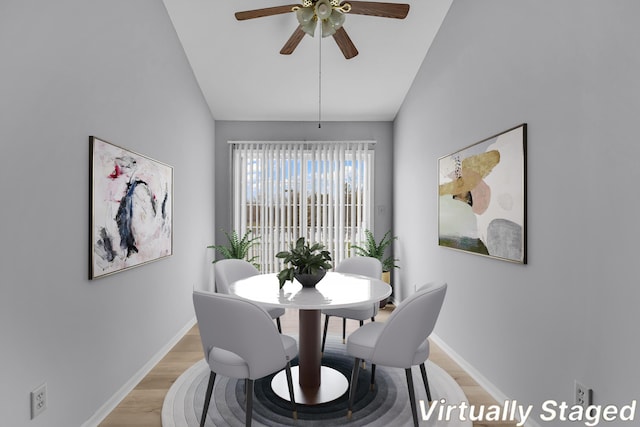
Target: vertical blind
(322,191)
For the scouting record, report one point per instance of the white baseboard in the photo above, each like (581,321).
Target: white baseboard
(115,400)
(494,391)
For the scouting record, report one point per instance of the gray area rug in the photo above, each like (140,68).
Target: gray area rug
(387,405)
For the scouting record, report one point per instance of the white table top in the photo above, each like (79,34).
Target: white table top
(335,290)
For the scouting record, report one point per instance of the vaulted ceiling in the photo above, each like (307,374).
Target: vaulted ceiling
(244,77)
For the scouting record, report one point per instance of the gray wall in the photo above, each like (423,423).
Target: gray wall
(71,69)
(570,70)
(305,131)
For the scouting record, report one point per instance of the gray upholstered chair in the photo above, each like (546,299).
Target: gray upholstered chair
(231,270)
(364,266)
(400,342)
(240,341)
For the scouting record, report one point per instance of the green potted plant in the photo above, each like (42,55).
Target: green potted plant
(238,247)
(377,250)
(308,263)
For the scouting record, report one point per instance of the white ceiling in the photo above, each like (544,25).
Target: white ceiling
(244,77)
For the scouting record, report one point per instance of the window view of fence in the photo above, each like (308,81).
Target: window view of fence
(320,191)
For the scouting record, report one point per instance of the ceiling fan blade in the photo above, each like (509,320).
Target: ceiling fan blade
(268,11)
(345,44)
(293,41)
(384,10)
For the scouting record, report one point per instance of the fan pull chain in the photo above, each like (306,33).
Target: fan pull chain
(319,82)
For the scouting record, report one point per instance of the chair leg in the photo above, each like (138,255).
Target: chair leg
(364,362)
(291,395)
(344,330)
(279,325)
(352,386)
(324,333)
(249,407)
(373,376)
(423,370)
(373,319)
(207,398)
(412,396)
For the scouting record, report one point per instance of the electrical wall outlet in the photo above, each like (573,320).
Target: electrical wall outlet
(38,400)
(582,395)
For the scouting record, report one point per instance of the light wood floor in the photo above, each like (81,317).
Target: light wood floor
(143,406)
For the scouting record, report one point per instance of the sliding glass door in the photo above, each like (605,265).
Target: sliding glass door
(322,191)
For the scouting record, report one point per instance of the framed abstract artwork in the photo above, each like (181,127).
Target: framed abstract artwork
(131,209)
(482,197)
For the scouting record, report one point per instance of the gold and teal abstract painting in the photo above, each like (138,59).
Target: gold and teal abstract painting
(482,197)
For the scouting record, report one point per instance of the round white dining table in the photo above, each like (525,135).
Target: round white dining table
(315,383)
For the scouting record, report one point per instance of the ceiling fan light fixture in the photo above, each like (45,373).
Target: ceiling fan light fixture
(307,19)
(332,14)
(310,28)
(304,15)
(323,9)
(327,29)
(332,24)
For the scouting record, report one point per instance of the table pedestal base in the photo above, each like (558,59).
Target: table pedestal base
(333,386)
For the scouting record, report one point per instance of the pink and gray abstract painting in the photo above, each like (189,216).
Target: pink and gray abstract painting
(481,206)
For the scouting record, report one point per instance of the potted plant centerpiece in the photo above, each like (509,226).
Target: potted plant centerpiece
(374,249)
(238,248)
(308,263)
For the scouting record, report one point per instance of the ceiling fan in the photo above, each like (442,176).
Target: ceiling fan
(331,14)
